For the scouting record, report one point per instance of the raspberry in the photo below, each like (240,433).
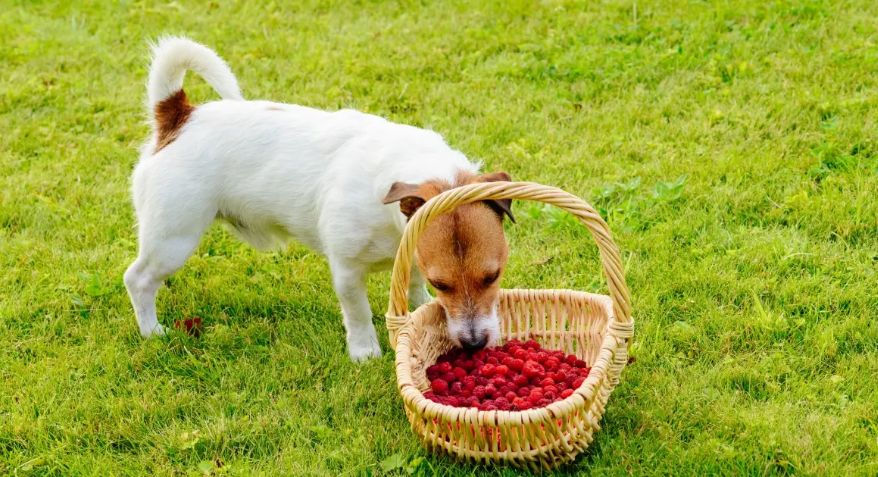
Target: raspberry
(469,382)
(511,343)
(570,359)
(493,360)
(566,393)
(488,407)
(466,393)
(445,367)
(433,371)
(518,402)
(501,402)
(502,370)
(439,386)
(505,406)
(531,369)
(455,388)
(581,364)
(559,377)
(547,382)
(578,383)
(520,380)
(524,392)
(480,355)
(552,363)
(532,344)
(541,357)
(449,377)
(506,361)
(516,364)
(525,406)
(488,370)
(564,367)
(480,392)
(510,396)
(491,390)
(544,402)
(512,387)
(520,354)
(452,401)
(459,373)
(499,381)
(535,397)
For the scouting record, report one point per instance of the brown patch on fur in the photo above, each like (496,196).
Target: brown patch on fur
(274,108)
(171,114)
(462,253)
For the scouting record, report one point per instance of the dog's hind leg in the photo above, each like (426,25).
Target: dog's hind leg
(165,245)
(350,286)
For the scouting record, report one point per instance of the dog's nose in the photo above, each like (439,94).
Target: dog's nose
(474,343)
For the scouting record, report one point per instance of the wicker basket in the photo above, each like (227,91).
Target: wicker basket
(596,328)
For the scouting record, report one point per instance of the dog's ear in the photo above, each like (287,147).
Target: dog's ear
(501,206)
(410,197)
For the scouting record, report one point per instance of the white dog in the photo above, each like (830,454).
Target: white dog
(276,171)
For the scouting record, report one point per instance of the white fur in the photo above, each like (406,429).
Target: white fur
(173,56)
(314,176)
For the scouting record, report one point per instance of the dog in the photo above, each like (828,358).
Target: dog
(343,183)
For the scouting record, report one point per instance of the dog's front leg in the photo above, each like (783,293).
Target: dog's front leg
(418,294)
(350,287)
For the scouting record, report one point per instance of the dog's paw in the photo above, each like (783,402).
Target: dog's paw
(360,354)
(153,331)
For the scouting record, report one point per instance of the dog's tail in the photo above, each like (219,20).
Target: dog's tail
(172,56)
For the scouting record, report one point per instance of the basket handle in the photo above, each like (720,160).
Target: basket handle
(397,312)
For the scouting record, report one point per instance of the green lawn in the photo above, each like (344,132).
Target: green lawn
(753,275)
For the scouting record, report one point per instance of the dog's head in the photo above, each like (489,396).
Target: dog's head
(463,255)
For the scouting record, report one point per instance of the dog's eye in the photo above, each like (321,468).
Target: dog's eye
(490,279)
(440,285)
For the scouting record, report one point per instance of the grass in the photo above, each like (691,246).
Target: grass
(730,144)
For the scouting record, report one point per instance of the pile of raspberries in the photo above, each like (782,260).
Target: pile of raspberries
(514,377)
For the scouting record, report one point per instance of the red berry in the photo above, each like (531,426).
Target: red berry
(510,396)
(551,389)
(517,402)
(531,369)
(541,357)
(535,397)
(456,388)
(520,354)
(491,390)
(511,343)
(547,382)
(449,377)
(445,367)
(559,377)
(493,360)
(459,373)
(507,361)
(525,406)
(480,392)
(581,364)
(439,386)
(552,363)
(499,381)
(524,392)
(502,370)
(544,402)
(488,407)
(480,355)
(516,364)
(488,370)
(570,359)
(566,393)
(578,383)
(501,402)
(532,344)
(452,401)
(520,380)
(466,393)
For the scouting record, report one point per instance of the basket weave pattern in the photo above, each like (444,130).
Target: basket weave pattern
(595,328)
